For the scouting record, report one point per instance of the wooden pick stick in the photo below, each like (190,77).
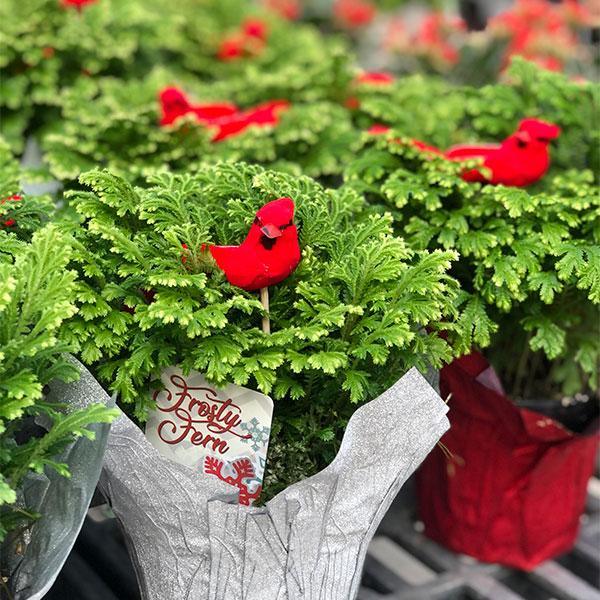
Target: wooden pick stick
(264,298)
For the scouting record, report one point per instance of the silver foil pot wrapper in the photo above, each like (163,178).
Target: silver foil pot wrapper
(190,539)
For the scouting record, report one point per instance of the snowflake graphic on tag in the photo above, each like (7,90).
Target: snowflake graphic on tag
(223,432)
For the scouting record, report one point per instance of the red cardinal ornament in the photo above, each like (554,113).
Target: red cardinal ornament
(288,9)
(269,254)
(354,13)
(255,28)
(375,78)
(267,113)
(520,160)
(378,129)
(225,117)
(264,114)
(174,104)
(248,40)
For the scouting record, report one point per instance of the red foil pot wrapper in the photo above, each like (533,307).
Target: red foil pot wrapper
(515,490)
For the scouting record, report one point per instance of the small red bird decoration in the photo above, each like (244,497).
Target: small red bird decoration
(269,254)
(248,40)
(261,115)
(375,78)
(227,118)
(520,160)
(14,198)
(79,4)
(354,13)
(174,104)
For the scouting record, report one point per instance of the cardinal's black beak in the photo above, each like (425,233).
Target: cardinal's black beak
(271,231)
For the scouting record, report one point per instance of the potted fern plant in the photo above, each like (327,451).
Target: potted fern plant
(42,440)
(20,214)
(337,333)
(529,275)
(345,325)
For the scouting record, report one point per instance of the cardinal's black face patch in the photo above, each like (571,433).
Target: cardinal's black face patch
(267,243)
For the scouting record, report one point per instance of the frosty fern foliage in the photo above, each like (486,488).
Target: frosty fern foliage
(442,114)
(295,60)
(529,258)
(114,123)
(124,134)
(47,47)
(531,91)
(37,294)
(346,325)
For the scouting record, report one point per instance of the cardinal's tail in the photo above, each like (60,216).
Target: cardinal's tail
(426,147)
(466,151)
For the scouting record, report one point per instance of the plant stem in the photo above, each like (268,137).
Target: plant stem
(266,321)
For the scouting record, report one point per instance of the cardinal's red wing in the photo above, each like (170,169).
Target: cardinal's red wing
(465,151)
(239,266)
(474,175)
(230,126)
(227,257)
(210,112)
(267,113)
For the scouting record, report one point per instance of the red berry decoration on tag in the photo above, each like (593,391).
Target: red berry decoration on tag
(243,472)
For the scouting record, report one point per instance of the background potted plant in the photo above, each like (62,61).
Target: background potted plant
(313,137)
(529,276)
(50,44)
(42,440)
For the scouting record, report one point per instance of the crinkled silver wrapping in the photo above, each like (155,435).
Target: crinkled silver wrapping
(62,502)
(189,539)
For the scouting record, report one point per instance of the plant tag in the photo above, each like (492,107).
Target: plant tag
(222,432)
